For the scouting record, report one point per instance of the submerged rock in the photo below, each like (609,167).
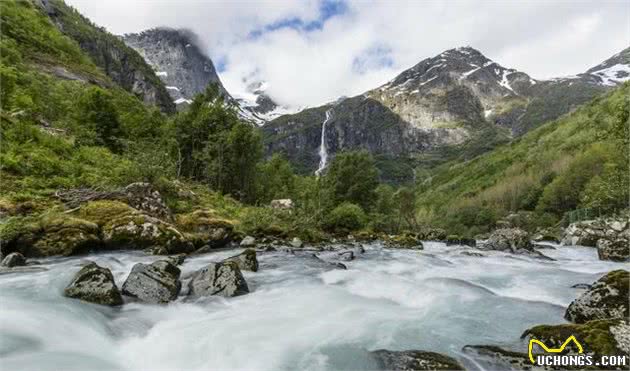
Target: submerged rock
(457,240)
(224,279)
(508,239)
(246,260)
(491,357)
(411,360)
(14,259)
(94,284)
(605,299)
(346,255)
(157,282)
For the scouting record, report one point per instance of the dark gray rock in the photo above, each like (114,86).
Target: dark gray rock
(157,282)
(508,239)
(606,299)
(615,250)
(223,279)
(346,255)
(94,284)
(490,357)
(246,260)
(412,360)
(14,259)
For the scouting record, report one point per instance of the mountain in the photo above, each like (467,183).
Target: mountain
(457,104)
(121,63)
(177,60)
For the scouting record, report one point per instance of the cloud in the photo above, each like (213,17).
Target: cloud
(311,52)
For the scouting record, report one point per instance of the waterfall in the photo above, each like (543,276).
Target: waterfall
(323,151)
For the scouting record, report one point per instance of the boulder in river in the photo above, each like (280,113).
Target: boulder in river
(346,255)
(615,250)
(508,239)
(224,279)
(246,260)
(94,284)
(157,282)
(14,259)
(605,299)
(248,241)
(412,360)
(457,240)
(589,232)
(599,337)
(405,241)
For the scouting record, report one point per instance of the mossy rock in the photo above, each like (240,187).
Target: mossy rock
(602,337)
(202,227)
(606,299)
(246,260)
(405,241)
(49,235)
(135,230)
(104,211)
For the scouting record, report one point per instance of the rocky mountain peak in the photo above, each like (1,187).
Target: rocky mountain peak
(614,70)
(178,60)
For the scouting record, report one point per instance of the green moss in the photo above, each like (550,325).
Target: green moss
(594,336)
(104,211)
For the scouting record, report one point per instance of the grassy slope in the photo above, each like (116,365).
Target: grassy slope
(499,180)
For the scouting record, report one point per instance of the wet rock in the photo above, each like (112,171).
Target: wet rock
(178,259)
(223,279)
(585,286)
(508,239)
(589,232)
(411,360)
(471,253)
(607,298)
(490,357)
(618,250)
(545,236)
(94,284)
(14,259)
(599,337)
(405,241)
(157,282)
(248,241)
(246,260)
(358,250)
(457,240)
(296,242)
(346,255)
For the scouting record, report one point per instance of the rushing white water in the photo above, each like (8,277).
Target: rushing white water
(299,314)
(323,150)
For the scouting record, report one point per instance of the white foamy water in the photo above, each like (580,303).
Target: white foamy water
(323,149)
(300,314)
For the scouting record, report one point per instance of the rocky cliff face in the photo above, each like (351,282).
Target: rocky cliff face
(122,64)
(458,102)
(178,61)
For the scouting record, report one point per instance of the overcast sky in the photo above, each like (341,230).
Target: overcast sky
(314,51)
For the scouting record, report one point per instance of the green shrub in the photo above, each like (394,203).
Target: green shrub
(345,217)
